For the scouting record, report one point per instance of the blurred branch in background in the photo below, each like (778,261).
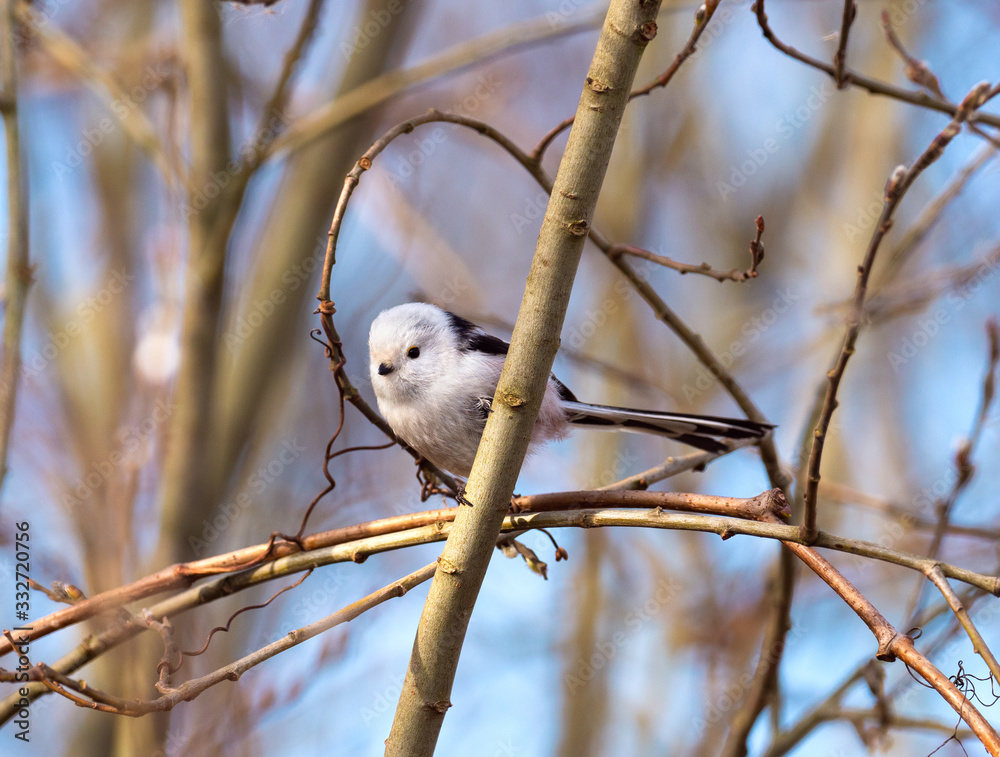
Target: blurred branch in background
(67,53)
(18,275)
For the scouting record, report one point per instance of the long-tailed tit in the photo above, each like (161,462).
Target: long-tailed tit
(435,374)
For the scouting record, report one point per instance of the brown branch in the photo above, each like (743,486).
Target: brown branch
(701,20)
(892,645)
(752,508)
(900,181)
(356,543)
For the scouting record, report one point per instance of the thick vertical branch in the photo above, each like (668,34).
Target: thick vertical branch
(187,454)
(18,276)
(427,689)
(188,464)
(254,372)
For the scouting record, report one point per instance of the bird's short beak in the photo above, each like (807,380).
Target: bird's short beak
(384,369)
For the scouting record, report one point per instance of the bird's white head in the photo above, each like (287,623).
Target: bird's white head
(409,347)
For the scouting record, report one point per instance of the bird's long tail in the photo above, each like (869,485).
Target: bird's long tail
(705,432)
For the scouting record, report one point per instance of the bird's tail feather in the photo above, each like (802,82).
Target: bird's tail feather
(701,431)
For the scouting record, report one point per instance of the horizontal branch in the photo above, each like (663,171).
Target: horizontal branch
(356,543)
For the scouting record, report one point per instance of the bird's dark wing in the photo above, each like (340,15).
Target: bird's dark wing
(471,338)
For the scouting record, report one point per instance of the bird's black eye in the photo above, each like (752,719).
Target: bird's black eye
(413,352)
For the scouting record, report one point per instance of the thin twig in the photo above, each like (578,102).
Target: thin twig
(840,57)
(174,667)
(701,20)
(918,72)
(932,212)
(187,691)
(261,139)
(673,466)
(963,465)
(873,86)
(756,256)
(900,181)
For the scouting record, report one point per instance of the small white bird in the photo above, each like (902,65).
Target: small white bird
(435,374)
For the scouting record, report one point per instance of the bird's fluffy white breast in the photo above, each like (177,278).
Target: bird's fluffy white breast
(434,403)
